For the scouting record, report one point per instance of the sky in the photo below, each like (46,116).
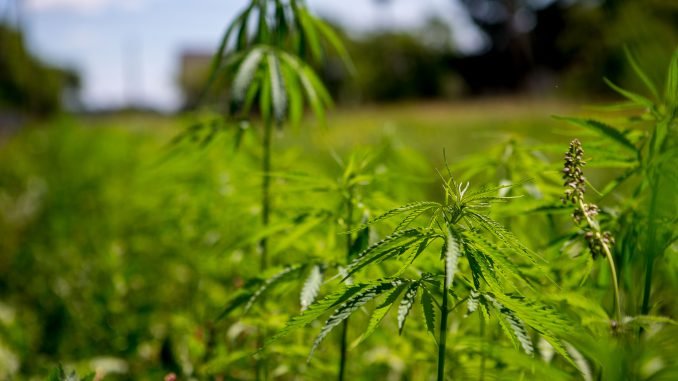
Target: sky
(127,51)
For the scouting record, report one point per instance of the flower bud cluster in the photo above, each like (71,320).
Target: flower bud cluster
(596,241)
(575,187)
(573,175)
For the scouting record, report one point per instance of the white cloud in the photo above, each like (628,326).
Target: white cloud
(83,5)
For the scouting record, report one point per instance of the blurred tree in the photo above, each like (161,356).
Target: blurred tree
(395,65)
(596,35)
(531,41)
(27,85)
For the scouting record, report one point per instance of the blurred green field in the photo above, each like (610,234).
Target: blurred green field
(119,247)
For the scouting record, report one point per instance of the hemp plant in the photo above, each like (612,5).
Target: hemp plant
(341,210)
(599,242)
(264,57)
(642,146)
(263,54)
(491,279)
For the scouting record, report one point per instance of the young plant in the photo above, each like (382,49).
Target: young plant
(263,56)
(345,196)
(491,278)
(264,67)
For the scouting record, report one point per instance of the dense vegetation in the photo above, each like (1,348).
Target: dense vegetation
(450,246)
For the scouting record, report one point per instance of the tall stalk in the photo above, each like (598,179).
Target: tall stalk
(483,348)
(599,241)
(265,192)
(349,245)
(442,341)
(598,236)
(650,251)
(265,218)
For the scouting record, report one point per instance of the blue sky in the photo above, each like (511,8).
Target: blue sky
(104,39)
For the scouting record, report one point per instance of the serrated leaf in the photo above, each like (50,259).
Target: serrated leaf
(411,217)
(513,327)
(452,254)
(251,95)
(413,207)
(580,362)
(472,302)
(393,245)
(277,278)
(245,74)
(380,312)
(606,130)
(265,98)
(506,238)
(294,95)
(350,306)
(429,311)
(543,318)
(311,92)
(311,287)
(406,305)
(278,93)
(315,310)
(414,254)
(360,243)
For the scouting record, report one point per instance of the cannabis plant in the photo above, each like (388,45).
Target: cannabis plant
(268,65)
(640,147)
(492,278)
(263,56)
(340,206)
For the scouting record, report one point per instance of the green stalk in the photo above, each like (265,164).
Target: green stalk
(261,372)
(265,191)
(613,270)
(650,251)
(610,261)
(483,347)
(349,244)
(442,341)
(344,350)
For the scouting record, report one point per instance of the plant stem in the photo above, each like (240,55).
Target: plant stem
(650,250)
(344,341)
(442,341)
(265,191)
(610,260)
(613,270)
(483,347)
(349,244)
(265,217)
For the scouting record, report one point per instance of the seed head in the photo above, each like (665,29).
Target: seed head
(573,176)
(596,241)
